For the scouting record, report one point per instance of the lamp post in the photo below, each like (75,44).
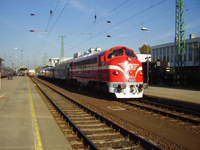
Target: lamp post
(12,60)
(28,62)
(146,29)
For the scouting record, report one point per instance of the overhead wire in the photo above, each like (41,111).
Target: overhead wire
(89,25)
(47,25)
(98,19)
(53,26)
(120,22)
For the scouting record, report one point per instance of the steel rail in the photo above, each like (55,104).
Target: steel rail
(144,143)
(87,142)
(173,102)
(173,108)
(164,112)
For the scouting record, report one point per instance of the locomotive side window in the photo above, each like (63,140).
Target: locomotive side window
(130,53)
(115,53)
(85,62)
(94,60)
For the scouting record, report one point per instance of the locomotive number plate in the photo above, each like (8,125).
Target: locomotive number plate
(131,80)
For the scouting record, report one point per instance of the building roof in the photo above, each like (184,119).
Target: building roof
(21,68)
(172,43)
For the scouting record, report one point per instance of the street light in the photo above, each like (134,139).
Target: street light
(28,62)
(12,59)
(146,29)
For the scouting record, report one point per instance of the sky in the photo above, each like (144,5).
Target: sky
(27,39)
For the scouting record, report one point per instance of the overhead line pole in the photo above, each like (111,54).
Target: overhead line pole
(180,53)
(21,56)
(44,59)
(62,49)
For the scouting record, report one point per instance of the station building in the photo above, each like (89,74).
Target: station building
(166,52)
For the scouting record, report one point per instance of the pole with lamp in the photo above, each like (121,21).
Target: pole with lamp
(0,71)
(12,61)
(146,29)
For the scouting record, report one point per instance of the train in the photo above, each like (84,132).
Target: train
(5,70)
(31,72)
(116,70)
(160,72)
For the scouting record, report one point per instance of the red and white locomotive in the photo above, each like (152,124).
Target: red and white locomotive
(116,70)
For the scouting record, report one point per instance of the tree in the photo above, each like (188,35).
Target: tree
(143,49)
(37,69)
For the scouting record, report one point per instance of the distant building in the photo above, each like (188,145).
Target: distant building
(166,52)
(143,57)
(1,61)
(56,61)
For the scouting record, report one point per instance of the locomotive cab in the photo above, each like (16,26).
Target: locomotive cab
(125,73)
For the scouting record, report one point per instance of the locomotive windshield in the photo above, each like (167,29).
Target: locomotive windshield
(120,52)
(130,53)
(115,53)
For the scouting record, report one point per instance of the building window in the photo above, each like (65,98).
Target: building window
(157,54)
(168,53)
(172,54)
(190,53)
(153,55)
(186,52)
(196,46)
(161,54)
(164,54)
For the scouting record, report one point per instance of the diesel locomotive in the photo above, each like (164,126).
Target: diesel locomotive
(116,70)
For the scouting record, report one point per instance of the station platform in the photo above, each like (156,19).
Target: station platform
(186,95)
(25,121)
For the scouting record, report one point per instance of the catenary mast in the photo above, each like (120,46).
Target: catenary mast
(62,50)
(180,53)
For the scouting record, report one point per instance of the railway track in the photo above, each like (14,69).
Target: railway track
(174,103)
(167,110)
(94,130)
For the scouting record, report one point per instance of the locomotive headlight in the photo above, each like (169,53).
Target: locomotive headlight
(115,72)
(141,73)
(129,58)
(123,85)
